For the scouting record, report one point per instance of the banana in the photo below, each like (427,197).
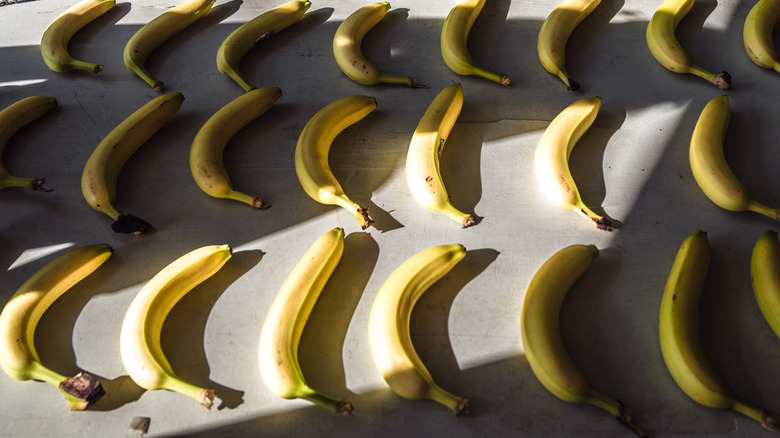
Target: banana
(388,325)
(555,32)
(207,148)
(348,54)
(154,33)
(454,39)
(551,160)
(709,165)
(13,118)
(422,159)
(139,341)
(765,277)
(99,178)
(540,331)
(250,34)
(311,153)
(282,329)
(20,316)
(667,50)
(679,333)
(757,34)
(54,43)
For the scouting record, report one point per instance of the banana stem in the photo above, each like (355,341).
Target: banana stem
(493,76)
(204,396)
(722,79)
(253,200)
(757,414)
(30,183)
(458,405)
(616,408)
(757,207)
(331,404)
(601,223)
(401,80)
(86,66)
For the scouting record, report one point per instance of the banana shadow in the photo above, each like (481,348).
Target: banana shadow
(321,347)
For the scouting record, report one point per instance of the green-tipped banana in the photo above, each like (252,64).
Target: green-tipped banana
(13,118)
(388,325)
(765,277)
(54,43)
(250,34)
(287,318)
(664,46)
(540,331)
(20,316)
(206,163)
(679,333)
(709,166)
(758,34)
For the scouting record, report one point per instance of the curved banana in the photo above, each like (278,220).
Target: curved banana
(311,153)
(139,339)
(209,144)
(667,50)
(13,118)
(388,325)
(765,277)
(454,39)
(709,165)
(250,34)
(540,331)
(348,54)
(287,318)
(154,33)
(679,333)
(98,181)
(757,34)
(20,316)
(54,43)
(422,159)
(555,32)
(551,160)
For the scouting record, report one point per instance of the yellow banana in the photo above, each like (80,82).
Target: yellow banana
(250,34)
(139,341)
(765,277)
(555,32)
(98,181)
(757,34)
(551,160)
(422,159)
(388,325)
(709,165)
(154,33)
(679,333)
(209,144)
(664,46)
(287,317)
(20,316)
(348,54)
(540,331)
(454,39)
(54,43)
(13,118)
(311,153)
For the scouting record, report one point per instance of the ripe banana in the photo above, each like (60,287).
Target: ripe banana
(250,34)
(20,316)
(139,341)
(757,34)
(555,32)
(709,165)
(551,160)
(454,39)
(311,153)
(348,54)
(12,119)
(287,318)
(54,43)
(679,333)
(207,149)
(154,33)
(540,331)
(667,50)
(422,159)
(98,181)
(388,325)
(765,277)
